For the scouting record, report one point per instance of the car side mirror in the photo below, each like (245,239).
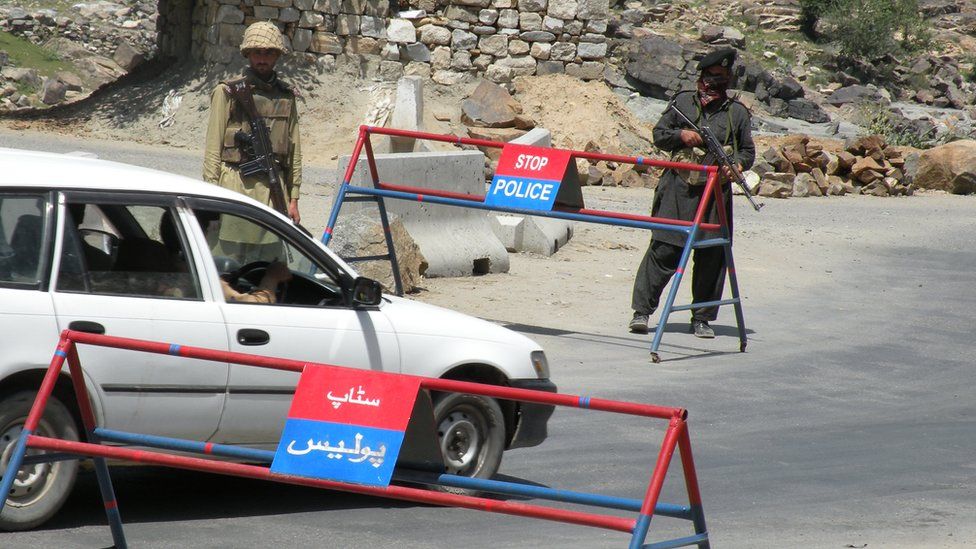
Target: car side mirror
(366,292)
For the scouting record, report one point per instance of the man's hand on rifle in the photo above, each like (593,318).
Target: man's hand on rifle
(727,174)
(691,138)
(293,211)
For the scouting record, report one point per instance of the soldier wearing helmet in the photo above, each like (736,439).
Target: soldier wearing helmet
(262,45)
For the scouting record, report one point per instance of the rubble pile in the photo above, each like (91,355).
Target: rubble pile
(99,26)
(801,168)
(101,40)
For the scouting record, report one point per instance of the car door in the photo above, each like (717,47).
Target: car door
(125,269)
(310,323)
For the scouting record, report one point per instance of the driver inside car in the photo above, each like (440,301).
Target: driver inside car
(276,273)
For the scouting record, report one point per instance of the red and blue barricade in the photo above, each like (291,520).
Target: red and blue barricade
(542,181)
(343,433)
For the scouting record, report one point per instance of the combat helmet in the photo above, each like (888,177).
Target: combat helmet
(262,35)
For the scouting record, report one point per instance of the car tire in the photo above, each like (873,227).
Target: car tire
(40,490)
(471,435)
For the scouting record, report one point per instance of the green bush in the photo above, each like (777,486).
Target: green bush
(876,120)
(867,29)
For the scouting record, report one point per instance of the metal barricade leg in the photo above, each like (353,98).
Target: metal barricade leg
(691,483)
(384,220)
(734,286)
(16,460)
(111,504)
(730,266)
(672,294)
(341,195)
(101,467)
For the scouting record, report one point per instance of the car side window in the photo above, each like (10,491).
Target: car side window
(129,250)
(22,219)
(259,265)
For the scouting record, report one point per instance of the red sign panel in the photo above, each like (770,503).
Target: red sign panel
(533,162)
(358,397)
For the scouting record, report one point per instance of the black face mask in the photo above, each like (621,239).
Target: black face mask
(715,82)
(712,87)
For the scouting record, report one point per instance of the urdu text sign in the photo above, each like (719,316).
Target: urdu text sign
(346,425)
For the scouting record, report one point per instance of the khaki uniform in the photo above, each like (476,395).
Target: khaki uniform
(275,102)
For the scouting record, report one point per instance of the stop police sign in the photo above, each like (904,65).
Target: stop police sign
(527,177)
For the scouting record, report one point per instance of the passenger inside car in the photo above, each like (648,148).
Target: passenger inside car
(130,258)
(95,258)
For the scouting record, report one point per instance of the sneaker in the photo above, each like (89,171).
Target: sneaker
(701,329)
(638,324)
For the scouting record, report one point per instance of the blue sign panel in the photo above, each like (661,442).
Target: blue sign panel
(521,192)
(337,451)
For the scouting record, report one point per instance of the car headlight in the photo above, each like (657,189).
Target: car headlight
(540,363)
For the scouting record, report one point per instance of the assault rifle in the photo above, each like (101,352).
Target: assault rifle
(722,158)
(257,146)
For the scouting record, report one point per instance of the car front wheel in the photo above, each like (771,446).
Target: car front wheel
(39,490)
(471,431)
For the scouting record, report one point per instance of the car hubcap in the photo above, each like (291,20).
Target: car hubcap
(460,441)
(32,480)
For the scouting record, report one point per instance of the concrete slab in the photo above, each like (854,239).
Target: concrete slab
(540,235)
(508,229)
(408,113)
(455,241)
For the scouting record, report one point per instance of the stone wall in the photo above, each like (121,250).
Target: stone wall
(447,40)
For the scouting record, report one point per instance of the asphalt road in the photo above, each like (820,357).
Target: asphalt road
(850,421)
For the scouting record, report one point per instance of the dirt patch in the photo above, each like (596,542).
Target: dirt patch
(579,113)
(332,107)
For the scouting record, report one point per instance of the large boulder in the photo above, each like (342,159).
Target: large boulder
(854,94)
(490,106)
(53,91)
(127,57)
(657,67)
(361,234)
(806,110)
(950,167)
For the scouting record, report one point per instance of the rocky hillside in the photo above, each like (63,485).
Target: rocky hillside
(54,52)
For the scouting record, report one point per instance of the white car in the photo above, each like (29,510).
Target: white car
(110,248)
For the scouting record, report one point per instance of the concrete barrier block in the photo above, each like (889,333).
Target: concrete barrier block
(540,235)
(508,229)
(408,113)
(544,235)
(536,137)
(456,241)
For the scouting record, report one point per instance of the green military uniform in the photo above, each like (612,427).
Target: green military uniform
(275,102)
(675,198)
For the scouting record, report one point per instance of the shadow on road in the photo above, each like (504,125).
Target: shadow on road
(160,495)
(154,494)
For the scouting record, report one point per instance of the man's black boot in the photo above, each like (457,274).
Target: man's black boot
(638,324)
(701,329)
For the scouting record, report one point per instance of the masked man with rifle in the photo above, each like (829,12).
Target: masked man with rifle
(253,144)
(679,191)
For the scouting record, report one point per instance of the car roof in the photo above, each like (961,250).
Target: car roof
(23,168)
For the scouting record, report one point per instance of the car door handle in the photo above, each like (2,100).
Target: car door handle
(250,336)
(86,326)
